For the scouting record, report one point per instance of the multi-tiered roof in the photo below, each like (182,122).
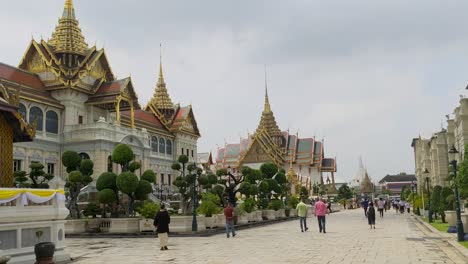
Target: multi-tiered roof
(66,62)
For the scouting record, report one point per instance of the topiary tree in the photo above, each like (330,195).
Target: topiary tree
(107,181)
(127,183)
(37,178)
(210,205)
(436,200)
(79,176)
(107,197)
(149,176)
(122,155)
(183,182)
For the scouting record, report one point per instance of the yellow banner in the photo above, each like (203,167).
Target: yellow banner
(9,193)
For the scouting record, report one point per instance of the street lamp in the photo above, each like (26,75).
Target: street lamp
(413,187)
(194,198)
(426,172)
(453,155)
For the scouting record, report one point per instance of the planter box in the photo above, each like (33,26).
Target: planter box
(242,219)
(280,213)
(210,221)
(251,217)
(146,225)
(269,214)
(292,212)
(77,226)
(464,219)
(451,217)
(220,220)
(183,224)
(124,225)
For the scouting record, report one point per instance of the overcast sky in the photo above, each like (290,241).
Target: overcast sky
(366,75)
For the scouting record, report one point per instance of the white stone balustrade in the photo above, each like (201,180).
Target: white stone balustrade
(20,222)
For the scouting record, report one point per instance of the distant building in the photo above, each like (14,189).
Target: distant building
(395,183)
(205,159)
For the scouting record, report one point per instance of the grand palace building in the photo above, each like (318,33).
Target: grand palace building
(302,158)
(67,90)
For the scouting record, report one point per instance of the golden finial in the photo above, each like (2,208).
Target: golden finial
(161,78)
(161,98)
(267,107)
(67,37)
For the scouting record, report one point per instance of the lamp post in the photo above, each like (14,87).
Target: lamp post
(194,198)
(453,155)
(413,187)
(426,172)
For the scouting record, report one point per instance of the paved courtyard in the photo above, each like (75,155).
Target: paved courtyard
(396,239)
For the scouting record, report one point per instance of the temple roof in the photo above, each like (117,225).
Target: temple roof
(398,178)
(28,84)
(67,37)
(22,131)
(267,121)
(205,158)
(161,97)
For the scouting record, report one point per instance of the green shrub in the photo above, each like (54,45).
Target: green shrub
(149,176)
(183,159)
(450,206)
(149,209)
(122,155)
(127,182)
(106,180)
(107,196)
(134,166)
(248,205)
(276,205)
(92,209)
(268,169)
(75,176)
(143,189)
(293,202)
(209,205)
(71,160)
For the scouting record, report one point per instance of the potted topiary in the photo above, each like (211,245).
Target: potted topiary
(148,211)
(240,216)
(209,207)
(44,251)
(292,203)
(278,206)
(248,206)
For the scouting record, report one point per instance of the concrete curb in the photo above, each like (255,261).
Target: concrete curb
(206,233)
(448,238)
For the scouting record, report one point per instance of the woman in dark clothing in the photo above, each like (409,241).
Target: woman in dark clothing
(161,222)
(371,215)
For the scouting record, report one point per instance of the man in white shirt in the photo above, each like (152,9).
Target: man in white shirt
(380,206)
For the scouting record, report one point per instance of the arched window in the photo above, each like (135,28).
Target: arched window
(22,111)
(109,163)
(154,144)
(84,155)
(162,145)
(36,112)
(51,122)
(169,147)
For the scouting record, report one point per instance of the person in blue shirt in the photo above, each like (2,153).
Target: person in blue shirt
(364,205)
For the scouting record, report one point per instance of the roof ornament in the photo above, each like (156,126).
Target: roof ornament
(67,37)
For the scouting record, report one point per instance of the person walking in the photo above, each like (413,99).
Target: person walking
(320,212)
(365,204)
(371,215)
(407,206)
(329,207)
(302,213)
(161,222)
(381,206)
(229,214)
(402,206)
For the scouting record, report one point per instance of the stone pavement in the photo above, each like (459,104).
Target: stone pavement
(397,239)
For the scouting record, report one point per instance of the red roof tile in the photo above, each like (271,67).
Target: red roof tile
(16,75)
(108,87)
(144,116)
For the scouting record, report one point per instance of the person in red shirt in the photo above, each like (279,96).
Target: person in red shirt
(229,214)
(320,212)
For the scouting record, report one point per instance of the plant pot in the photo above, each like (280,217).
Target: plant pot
(4,259)
(268,214)
(280,213)
(292,212)
(210,221)
(242,219)
(464,219)
(44,252)
(146,225)
(451,217)
(287,211)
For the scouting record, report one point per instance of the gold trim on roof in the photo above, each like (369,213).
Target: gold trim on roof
(67,37)
(267,121)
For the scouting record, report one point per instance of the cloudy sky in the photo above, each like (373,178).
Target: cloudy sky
(366,75)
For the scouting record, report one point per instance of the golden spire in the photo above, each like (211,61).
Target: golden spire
(160,97)
(67,37)
(267,120)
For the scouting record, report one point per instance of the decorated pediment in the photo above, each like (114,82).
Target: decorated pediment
(256,154)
